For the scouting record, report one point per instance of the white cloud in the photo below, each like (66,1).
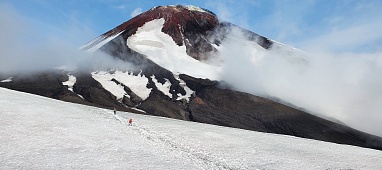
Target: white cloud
(342,79)
(33,50)
(344,86)
(232,11)
(121,7)
(136,12)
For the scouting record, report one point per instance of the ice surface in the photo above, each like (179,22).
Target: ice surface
(161,48)
(42,133)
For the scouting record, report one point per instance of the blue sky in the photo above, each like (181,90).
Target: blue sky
(341,25)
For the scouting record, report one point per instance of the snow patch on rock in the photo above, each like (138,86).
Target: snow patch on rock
(137,84)
(183,84)
(6,80)
(195,8)
(70,83)
(104,78)
(134,108)
(165,88)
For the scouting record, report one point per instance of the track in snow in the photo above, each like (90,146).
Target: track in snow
(200,158)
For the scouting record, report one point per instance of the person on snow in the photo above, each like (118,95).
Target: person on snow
(115,111)
(131,122)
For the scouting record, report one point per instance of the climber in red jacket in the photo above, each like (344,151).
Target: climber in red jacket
(131,122)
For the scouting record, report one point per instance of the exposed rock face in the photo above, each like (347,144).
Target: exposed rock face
(185,97)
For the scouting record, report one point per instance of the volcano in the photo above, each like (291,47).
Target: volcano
(187,25)
(172,68)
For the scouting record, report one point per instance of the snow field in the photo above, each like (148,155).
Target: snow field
(42,133)
(161,49)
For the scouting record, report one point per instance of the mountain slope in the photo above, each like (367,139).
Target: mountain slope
(171,68)
(41,133)
(186,25)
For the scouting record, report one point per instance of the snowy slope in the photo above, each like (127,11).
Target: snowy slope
(41,133)
(161,49)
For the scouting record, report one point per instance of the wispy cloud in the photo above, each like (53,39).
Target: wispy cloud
(136,12)
(355,30)
(30,51)
(121,7)
(32,46)
(345,25)
(232,11)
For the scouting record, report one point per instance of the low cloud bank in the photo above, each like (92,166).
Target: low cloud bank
(25,49)
(343,86)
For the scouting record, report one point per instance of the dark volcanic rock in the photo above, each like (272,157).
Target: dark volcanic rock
(44,84)
(49,84)
(158,106)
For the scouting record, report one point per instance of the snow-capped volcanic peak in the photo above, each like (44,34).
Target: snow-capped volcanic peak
(195,8)
(189,7)
(186,25)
